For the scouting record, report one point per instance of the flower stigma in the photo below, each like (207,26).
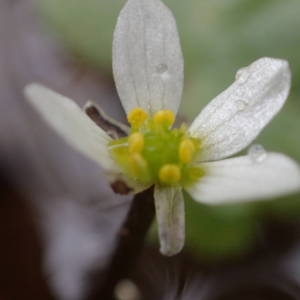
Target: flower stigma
(156,153)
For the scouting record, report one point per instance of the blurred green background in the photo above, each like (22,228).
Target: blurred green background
(218,37)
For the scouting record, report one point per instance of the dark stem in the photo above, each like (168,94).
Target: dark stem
(131,241)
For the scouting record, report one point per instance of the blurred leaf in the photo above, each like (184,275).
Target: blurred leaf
(219,232)
(86,27)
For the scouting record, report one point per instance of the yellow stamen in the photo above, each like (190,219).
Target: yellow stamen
(135,142)
(169,174)
(137,117)
(138,165)
(164,117)
(186,151)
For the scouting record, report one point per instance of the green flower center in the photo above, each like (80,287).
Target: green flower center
(154,153)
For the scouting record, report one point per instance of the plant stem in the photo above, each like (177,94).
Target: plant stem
(131,240)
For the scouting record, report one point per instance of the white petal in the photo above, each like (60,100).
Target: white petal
(67,118)
(169,205)
(247,178)
(234,118)
(147,57)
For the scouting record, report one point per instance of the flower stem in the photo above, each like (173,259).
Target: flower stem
(129,246)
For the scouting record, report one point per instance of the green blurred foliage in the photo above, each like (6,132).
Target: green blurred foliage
(218,232)
(218,37)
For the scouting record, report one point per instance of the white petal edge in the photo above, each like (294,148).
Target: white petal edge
(69,120)
(147,57)
(170,215)
(243,179)
(231,121)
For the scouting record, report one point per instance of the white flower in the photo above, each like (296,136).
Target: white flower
(148,71)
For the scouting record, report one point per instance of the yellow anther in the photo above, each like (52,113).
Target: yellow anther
(135,142)
(138,166)
(137,117)
(169,174)
(186,151)
(138,160)
(164,117)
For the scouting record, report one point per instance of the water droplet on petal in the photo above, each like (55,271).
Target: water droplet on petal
(162,68)
(242,75)
(239,73)
(162,71)
(257,153)
(241,105)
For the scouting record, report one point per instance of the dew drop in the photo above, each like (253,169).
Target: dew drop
(161,68)
(162,71)
(242,75)
(257,153)
(241,105)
